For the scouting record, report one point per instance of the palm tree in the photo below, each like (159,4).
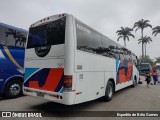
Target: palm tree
(156,30)
(145,40)
(124,33)
(142,24)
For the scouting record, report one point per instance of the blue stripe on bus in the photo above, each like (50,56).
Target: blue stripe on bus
(29,71)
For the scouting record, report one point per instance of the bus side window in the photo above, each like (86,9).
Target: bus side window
(84,40)
(96,42)
(15,38)
(121,56)
(3,40)
(105,46)
(110,48)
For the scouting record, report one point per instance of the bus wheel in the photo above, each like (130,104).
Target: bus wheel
(109,91)
(134,82)
(13,89)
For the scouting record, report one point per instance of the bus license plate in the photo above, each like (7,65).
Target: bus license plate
(39,94)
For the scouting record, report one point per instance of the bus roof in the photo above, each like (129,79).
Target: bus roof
(12,27)
(158,64)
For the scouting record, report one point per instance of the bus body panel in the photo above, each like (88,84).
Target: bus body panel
(90,86)
(97,64)
(96,73)
(12,63)
(12,42)
(58,53)
(69,53)
(91,77)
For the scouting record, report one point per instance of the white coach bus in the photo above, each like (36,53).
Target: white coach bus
(68,62)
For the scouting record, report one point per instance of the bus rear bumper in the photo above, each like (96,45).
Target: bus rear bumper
(67,98)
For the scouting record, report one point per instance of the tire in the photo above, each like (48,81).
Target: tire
(134,82)
(109,92)
(13,89)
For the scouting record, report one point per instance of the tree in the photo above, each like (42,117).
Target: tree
(156,30)
(142,24)
(124,33)
(145,40)
(157,60)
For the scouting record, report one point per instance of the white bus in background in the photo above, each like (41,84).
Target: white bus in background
(68,62)
(158,70)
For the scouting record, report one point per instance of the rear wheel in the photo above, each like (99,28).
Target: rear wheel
(134,82)
(109,91)
(13,89)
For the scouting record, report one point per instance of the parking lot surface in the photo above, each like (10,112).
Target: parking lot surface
(139,98)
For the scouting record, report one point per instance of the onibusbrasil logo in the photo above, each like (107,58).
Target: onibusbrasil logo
(21,114)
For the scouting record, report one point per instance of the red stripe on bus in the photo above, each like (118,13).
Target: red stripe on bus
(34,84)
(122,77)
(129,72)
(52,81)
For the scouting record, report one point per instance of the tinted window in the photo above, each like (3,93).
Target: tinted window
(12,37)
(144,66)
(110,48)
(87,39)
(52,33)
(91,41)
(15,38)
(3,40)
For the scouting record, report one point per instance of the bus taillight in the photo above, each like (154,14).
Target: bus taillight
(68,82)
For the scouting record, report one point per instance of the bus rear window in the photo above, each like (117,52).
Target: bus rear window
(52,33)
(145,66)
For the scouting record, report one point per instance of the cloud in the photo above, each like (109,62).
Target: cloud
(105,16)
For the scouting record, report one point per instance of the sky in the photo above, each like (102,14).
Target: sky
(105,16)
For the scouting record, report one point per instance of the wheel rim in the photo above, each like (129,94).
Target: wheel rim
(15,89)
(110,91)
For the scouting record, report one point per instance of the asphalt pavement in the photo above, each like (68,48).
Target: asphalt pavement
(139,98)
